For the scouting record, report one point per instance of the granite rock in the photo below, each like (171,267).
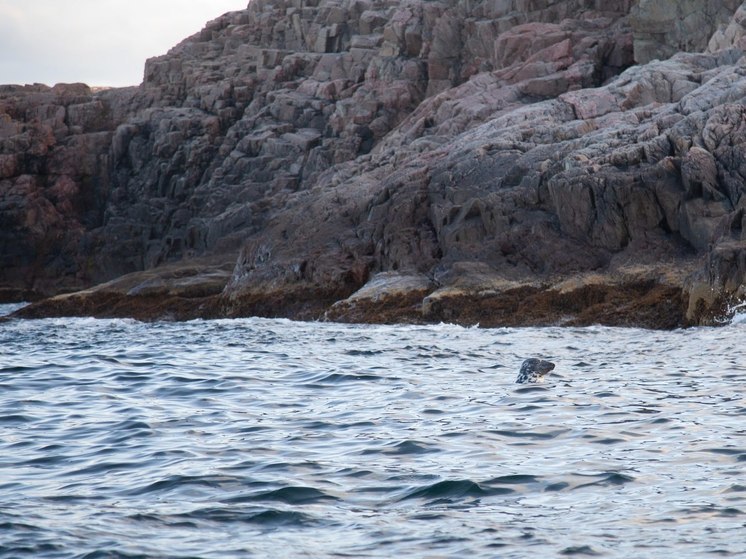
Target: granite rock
(664,27)
(492,162)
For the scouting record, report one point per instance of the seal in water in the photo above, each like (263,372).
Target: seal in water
(533,370)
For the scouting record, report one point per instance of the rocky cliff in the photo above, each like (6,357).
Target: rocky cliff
(494,162)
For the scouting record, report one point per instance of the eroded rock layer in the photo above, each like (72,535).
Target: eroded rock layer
(496,162)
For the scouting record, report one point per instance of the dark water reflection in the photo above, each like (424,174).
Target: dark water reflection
(277,439)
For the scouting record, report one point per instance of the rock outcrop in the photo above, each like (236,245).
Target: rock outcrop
(664,27)
(53,182)
(479,162)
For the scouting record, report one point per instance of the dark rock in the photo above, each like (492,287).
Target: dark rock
(179,291)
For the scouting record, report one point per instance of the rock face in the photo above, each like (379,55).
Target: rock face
(664,27)
(731,35)
(53,182)
(499,162)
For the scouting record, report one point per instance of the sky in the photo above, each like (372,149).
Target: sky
(98,42)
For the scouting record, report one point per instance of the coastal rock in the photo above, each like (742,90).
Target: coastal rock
(378,161)
(53,181)
(235,120)
(178,291)
(732,35)
(388,297)
(664,27)
(537,193)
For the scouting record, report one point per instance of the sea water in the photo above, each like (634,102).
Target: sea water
(272,438)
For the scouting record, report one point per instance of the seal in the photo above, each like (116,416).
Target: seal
(533,370)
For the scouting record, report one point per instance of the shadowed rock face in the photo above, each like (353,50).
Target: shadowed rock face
(490,162)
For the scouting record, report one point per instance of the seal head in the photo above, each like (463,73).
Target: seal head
(533,370)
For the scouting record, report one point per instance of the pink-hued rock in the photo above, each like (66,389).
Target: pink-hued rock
(452,153)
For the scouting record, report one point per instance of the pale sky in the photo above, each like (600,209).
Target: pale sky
(98,42)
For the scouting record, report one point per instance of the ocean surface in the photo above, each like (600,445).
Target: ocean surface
(272,438)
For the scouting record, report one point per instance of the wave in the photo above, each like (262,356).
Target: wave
(410,447)
(274,437)
(532,435)
(605,479)
(176,482)
(267,517)
(580,550)
(287,495)
(454,490)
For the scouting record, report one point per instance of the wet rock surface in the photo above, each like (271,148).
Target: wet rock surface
(497,163)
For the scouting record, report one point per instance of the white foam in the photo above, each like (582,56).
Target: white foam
(9,308)
(738,318)
(737,314)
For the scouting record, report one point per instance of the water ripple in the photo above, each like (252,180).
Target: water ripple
(267,438)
